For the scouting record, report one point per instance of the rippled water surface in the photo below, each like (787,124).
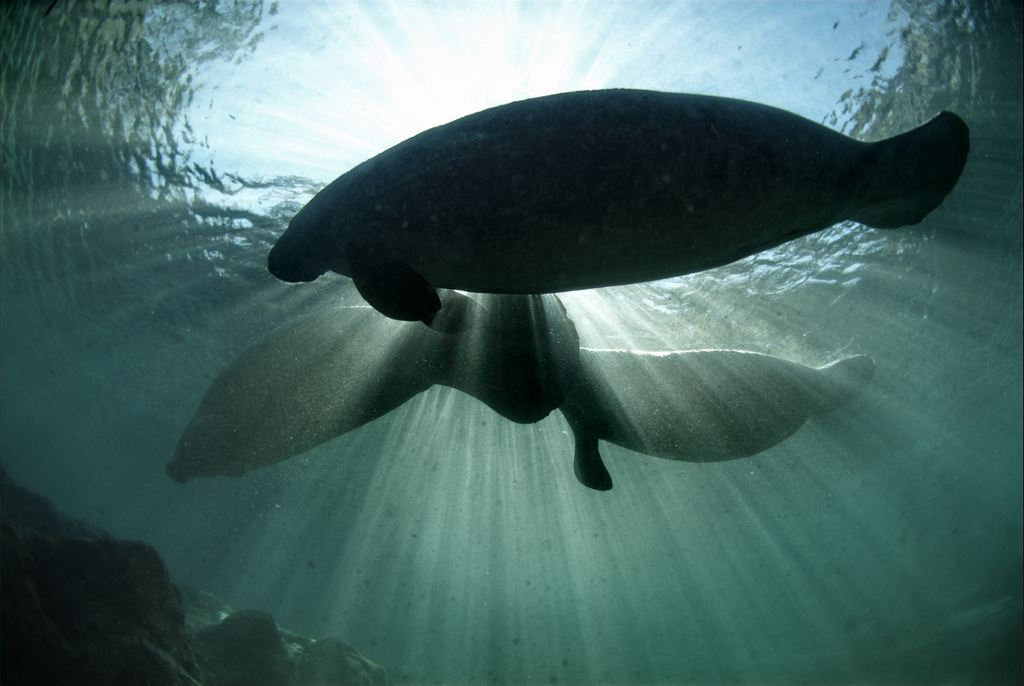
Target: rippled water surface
(152,153)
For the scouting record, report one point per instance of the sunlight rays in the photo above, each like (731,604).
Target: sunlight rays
(444,540)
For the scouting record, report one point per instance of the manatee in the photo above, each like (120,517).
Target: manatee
(602,188)
(519,355)
(330,372)
(698,406)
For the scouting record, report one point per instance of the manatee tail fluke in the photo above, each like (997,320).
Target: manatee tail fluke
(913,172)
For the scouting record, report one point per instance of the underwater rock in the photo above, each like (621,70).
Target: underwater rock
(29,510)
(245,648)
(332,661)
(202,609)
(89,611)
(248,647)
(83,609)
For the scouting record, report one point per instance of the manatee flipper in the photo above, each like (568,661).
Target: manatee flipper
(912,173)
(587,462)
(391,286)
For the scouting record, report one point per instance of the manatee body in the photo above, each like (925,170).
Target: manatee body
(698,406)
(518,354)
(330,372)
(601,188)
(300,386)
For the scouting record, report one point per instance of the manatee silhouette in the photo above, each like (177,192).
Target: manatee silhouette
(698,406)
(330,372)
(601,188)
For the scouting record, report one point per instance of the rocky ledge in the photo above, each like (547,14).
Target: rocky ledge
(78,606)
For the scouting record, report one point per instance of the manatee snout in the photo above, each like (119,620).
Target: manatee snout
(291,266)
(176,471)
(300,254)
(205,449)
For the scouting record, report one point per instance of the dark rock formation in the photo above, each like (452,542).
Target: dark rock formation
(202,609)
(78,606)
(244,649)
(248,647)
(89,611)
(28,510)
(331,661)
